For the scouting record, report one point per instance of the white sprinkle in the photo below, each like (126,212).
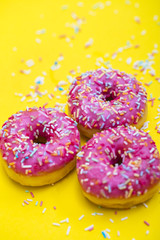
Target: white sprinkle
(108,236)
(23,98)
(118,233)
(129,60)
(42,31)
(64,92)
(29,200)
(95,213)
(44,210)
(65,220)
(60,83)
(137,19)
(89,228)
(39,80)
(30,63)
(144,204)
(44,73)
(122,219)
(80,218)
(89,43)
(155,17)
(56,224)
(38,40)
(111,220)
(143,32)
(68,230)
(13,74)
(147,232)
(27,71)
(88,56)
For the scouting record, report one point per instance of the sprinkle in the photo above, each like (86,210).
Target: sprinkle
(26,202)
(89,43)
(111,220)
(56,224)
(146,223)
(30,63)
(147,232)
(39,80)
(41,203)
(143,32)
(44,210)
(42,31)
(80,218)
(29,200)
(36,203)
(122,219)
(32,194)
(129,60)
(104,234)
(90,228)
(65,220)
(118,233)
(68,230)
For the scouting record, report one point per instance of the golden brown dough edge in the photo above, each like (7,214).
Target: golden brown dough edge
(122,203)
(42,179)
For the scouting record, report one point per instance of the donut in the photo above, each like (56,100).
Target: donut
(119,167)
(106,98)
(38,146)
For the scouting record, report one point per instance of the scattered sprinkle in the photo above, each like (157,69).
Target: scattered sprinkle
(90,228)
(68,230)
(122,219)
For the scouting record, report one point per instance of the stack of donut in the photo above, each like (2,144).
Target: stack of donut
(117,168)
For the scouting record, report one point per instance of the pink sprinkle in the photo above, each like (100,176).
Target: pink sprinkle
(146,223)
(54,208)
(26,202)
(32,194)
(41,203)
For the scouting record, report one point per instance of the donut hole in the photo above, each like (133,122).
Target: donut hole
(40,140)
(117,160)
(109,96)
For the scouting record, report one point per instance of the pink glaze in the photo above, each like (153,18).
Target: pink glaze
(118,163)
(106,98)
(28,157)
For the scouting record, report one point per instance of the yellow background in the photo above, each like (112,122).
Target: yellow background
(66,27)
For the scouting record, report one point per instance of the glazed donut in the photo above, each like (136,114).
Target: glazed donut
(119,167)
(106,98)
(39,146)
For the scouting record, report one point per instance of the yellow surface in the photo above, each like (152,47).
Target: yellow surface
(118,31)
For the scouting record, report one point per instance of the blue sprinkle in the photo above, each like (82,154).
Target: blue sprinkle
(60,89)
(104,234)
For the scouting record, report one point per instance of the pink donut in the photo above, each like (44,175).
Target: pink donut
(119,167)
(106,98)
(39,146)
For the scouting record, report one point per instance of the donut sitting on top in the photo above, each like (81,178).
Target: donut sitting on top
(106,98)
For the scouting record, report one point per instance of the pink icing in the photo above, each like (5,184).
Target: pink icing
(106,98)
(118,163)
(24,155)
